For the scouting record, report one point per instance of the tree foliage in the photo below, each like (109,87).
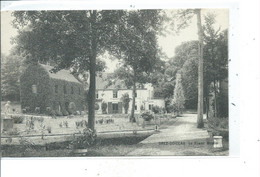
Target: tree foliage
(184,17)
(215,59)
(216,62)
(137,48)
(178,98)
(11,70)
(125,101)
(67,38)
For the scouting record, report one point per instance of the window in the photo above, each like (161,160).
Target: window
(150,107)
(96,95)
(56,88)
(72,90)
(115,94)
(64,89)
(135,94)
(135,107)
(34,89)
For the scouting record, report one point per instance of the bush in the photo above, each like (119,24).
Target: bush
(17,119)
(48,111)
(219,126)
(65,113)
(24,111)
(81,123)
(37,110)
(147,116)
(58,113)
(30,124)
(156,109)
(217,122)
(163,110)
(72,108)
(96,107)
(53,113)
(125,102)
(170,108)
(86,139)
(39,119)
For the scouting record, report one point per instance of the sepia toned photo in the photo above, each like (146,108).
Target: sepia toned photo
(87,83)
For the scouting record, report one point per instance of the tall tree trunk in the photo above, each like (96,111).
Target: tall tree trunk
(200,123)
(92,72)
(132,117)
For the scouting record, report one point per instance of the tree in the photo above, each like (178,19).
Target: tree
(67,38)
(184,16)
(189,75)
(215,57)
(131,78)
(200,123)
(12,67)
(125,101)
(137,47)
(185,63)
(178,98)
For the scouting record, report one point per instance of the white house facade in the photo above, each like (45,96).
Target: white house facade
(112,96)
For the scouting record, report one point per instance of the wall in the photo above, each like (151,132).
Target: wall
(35,75)
(46,96)
(155,102)
(62,98)
(144,97)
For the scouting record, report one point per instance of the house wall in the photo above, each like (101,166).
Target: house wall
(155,102)
(35,75)
(144,98)
(63,99)
(45,86)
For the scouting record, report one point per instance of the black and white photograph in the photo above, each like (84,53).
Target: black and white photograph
(130,88)
(141,82)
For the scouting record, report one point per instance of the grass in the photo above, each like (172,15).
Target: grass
(103,147)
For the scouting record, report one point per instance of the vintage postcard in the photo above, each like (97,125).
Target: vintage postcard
(125,82)
(129,89)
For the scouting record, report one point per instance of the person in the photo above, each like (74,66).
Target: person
(8,107)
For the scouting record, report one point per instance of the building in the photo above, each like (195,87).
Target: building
(111,94)
(42,88)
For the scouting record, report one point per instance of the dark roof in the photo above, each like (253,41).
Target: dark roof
(105,82)
(62,74)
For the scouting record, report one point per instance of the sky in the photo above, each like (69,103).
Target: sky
(167,43)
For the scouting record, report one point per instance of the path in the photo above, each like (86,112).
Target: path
(184,128)
(182,135)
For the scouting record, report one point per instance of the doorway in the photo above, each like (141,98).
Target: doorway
(114,108)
